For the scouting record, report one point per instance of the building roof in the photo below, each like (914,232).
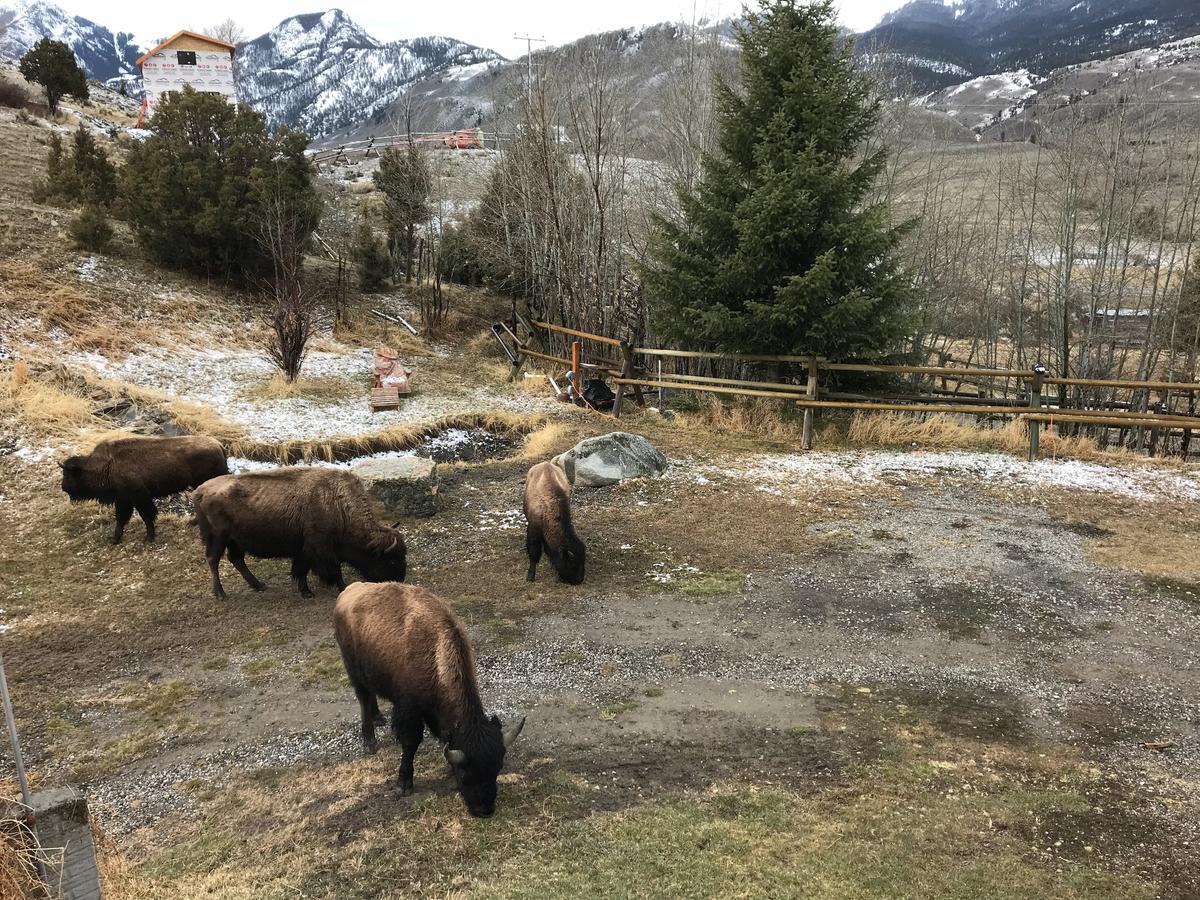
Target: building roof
(176,36)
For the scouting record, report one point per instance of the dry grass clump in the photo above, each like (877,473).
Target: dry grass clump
(762,416)
(362,329)
(549,440)
(892,429)
(18,860)
(534,383)
(45,406)
(326,388)
(961,432)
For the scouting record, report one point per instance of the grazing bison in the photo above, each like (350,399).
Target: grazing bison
(319,518)
(130,472)
(548,517)
(404,644)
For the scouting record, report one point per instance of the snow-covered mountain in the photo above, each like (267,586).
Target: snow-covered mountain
(321,72)
(939,43)
(104,55)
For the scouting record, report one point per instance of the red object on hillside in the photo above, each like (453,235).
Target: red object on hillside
(463,140)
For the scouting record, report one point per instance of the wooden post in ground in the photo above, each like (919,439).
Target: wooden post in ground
(807,439)
(1035,403)
(626,372)
(576,349)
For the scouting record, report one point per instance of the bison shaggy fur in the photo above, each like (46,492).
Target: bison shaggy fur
(319,518)
(129,473)
(404,644)
(547,506)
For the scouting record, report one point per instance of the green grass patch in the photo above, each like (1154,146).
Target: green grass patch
(612,710)
(324,668)
(259,669)
(707,584)
(891,834)
(652,690)
(123,750)
(160,700)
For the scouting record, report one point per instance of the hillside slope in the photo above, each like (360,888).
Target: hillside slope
(938,43)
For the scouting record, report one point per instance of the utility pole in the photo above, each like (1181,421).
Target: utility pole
(529,41)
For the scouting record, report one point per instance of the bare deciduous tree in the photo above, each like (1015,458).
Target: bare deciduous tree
(285,228)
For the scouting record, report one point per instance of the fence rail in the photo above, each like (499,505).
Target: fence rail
(1028,403)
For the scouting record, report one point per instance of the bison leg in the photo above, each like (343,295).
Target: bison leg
(237,556)
(329,570)
(149,512)
(409,728)
(124,514)
(533,546)
(300,577)
(213,552)
(369,708)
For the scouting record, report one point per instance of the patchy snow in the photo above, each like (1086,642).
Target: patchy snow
(775,472)
(239,465)
(223,379)
(500,519)
(87,269)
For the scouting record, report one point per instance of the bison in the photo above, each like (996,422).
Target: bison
(404,644)
(548,517)
(317,517)
(130,472)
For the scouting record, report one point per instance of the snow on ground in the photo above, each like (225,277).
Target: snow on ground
(221,380)
(774,472)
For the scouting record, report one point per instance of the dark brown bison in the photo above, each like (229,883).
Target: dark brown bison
(130,472)
(404,644)
(319,518)
(548,517)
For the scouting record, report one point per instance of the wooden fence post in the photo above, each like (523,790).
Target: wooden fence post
(626,372)
(1035,403)
(807,439)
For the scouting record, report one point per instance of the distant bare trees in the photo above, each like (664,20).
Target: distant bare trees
(227,30)
(1074,247)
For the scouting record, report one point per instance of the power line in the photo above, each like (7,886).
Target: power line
(529,42)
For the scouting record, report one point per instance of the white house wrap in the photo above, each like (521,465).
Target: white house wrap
(187,58)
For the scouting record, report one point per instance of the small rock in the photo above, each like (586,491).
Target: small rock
(406,485)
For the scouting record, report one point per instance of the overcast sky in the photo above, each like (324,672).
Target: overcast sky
(487,23)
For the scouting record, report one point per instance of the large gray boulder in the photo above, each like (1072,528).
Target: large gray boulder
(611,459)
(406,485)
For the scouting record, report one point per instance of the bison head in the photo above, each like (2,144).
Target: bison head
(569,561)
(75,480)
(476,758)
(385,560)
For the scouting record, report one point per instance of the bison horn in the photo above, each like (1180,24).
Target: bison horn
(457,757)
(395,541)
(510,733)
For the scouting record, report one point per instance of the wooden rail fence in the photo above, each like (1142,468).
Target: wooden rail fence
(1032,405)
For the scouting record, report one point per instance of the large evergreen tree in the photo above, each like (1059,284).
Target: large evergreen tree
(780,249)
(404,179)
(194,190)
(52,65)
